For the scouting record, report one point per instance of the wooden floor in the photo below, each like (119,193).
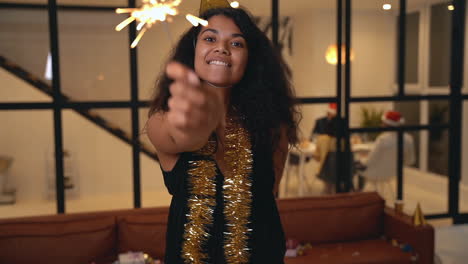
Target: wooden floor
(429,189)
(451,244)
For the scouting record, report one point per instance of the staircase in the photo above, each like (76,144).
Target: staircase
(91,115)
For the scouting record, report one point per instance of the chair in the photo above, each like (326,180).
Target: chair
(292,164)
(383,186)
(382,162)
(381,181)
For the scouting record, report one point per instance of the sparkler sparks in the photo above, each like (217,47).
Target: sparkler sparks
(151,12)
(196,20)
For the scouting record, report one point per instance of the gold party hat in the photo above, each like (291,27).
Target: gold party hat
(418,217)
(209,4)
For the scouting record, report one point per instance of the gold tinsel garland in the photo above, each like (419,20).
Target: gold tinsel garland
(237,192)
(237,198)
(201,204)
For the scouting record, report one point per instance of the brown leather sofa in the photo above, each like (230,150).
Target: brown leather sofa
(346,228)
(354,228)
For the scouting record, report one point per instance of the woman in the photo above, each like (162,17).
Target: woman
(221,123)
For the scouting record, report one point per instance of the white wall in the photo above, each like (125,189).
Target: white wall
(104,162)
(14,90)
(464,157)
(24,38)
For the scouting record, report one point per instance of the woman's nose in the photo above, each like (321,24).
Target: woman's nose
(221,48)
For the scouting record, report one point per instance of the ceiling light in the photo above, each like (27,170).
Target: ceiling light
(387,6)
(450,7)
(331,55)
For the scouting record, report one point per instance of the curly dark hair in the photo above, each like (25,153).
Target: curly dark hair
(264,96)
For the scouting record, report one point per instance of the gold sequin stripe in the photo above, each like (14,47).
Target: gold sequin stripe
(237,193)
(201,204)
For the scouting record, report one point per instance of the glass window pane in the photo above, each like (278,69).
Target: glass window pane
(440,44)
(16,88)
(414,113)
(310,30)
(422,183)
(424,186)
(373,39)
(118,120)
(261,7)
(412,47)
(464,161)
(24,49)
(300,173)
(438,140)
(25,1)
(100,173)
(26,179)
(117,3)
(94,60)
(370,114)
(154,192)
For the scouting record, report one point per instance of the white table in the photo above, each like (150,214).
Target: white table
(307,151)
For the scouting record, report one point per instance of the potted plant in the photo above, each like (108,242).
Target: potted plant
(371,117)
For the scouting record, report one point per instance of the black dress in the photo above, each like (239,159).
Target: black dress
(224,219)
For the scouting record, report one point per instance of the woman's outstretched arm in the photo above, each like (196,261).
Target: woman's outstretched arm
(194,113)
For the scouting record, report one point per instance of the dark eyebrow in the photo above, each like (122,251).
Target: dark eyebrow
(211,30)
(238,35)
(216,32)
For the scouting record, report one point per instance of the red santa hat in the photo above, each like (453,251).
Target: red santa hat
(393,118)
(331,108)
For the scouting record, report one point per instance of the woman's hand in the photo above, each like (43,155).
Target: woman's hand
(194,111)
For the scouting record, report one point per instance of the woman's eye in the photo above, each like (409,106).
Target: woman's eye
(209,39)
(237,44)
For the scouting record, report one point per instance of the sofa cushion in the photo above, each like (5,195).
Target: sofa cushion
(368,251)
(79,241)
(335,218)
(146,233)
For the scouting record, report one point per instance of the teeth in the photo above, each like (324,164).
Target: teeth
(216,62)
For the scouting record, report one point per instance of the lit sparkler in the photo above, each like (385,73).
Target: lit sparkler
(153,11)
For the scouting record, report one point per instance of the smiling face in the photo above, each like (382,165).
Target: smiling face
(221,52)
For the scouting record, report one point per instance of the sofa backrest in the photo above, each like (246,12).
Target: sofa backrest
(143,232)
(58,240)
(335,218)
(82,238)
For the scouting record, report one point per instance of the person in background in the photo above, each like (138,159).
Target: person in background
(381,163)
(325,155)
(321,123)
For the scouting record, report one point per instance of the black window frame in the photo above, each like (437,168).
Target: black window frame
(343,98)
